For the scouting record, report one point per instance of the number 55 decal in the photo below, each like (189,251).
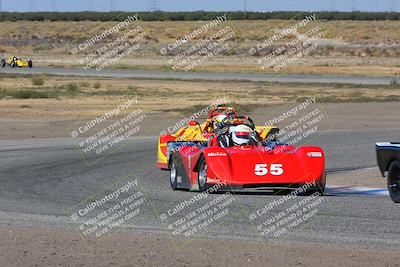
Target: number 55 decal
(262,169)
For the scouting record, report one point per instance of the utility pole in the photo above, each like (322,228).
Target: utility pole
(353,5)
(112,5)
(53,5)
(333,5)
(393,6)
(154,5)
(31,4)
(90,5)
(245,8)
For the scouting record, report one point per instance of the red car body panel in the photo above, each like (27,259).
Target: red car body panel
(238,166)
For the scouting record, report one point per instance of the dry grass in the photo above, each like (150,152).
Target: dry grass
(157,96)
(349,48)
(363,66)
(353,32)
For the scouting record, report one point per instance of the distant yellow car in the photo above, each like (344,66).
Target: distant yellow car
(16,62)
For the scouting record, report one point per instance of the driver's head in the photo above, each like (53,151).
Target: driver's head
(218,119)
(240,135)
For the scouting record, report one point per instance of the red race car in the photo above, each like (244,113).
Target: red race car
(237,158)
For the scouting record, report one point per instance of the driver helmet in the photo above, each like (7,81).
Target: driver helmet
(240,135)
(218,119)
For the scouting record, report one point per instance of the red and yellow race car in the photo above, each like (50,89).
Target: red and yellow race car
(200,133)
(237,157)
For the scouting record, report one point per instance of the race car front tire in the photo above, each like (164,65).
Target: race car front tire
(393,181)
(173,174)
(3,63)
(12,64)
(202,177)
(30,64)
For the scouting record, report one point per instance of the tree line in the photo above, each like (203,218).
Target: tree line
(192,16)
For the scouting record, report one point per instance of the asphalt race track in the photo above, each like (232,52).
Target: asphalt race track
(140,74)
(43,179)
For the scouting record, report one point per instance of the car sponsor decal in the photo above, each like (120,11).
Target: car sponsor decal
(217,154)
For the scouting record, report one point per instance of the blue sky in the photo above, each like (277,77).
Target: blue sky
(208,5)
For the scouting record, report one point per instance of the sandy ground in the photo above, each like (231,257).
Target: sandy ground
(347,47)
(339,119)
(66,247)
(49,247)
(340,116)
(327,65)
(52,118)
(370,177)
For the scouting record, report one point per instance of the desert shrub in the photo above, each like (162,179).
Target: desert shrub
(26,94)
(72,88)
(96,85)
(84,84)
(38,81)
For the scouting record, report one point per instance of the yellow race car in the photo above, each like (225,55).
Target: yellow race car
(202,133)
(16,62)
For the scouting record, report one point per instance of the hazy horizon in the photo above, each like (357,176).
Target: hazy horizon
(205,5)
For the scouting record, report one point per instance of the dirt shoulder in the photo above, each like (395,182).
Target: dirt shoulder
(369,177)
(346,47)
(44,247)
(340,116)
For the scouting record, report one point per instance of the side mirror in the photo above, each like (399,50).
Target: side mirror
(193,123)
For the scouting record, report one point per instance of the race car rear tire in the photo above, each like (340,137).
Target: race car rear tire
(202,177)
(30,64)
(318,188)
(12,64)
(393,181)
(3,63)
(173,175)
(320,191)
